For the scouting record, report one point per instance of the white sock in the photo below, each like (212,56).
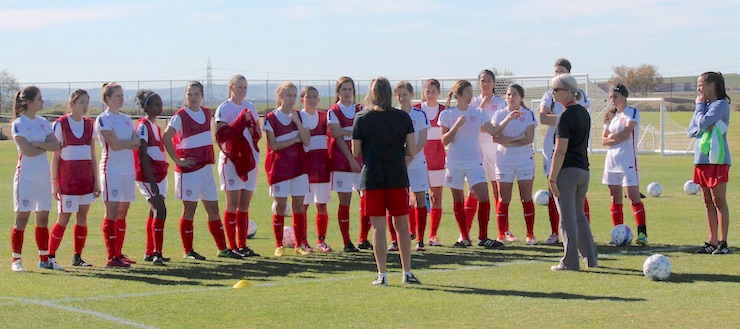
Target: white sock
(382,275)
(407,273)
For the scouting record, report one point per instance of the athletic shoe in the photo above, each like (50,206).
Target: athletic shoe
(459,244)
(642,240)
(279,251)
(380,281)
(560,267)
(365,245)
(531,240)
(157,260)
(306,246)
(323,247)
(467,242)
(510,237)
(349,247)
(434,241)
(54,265)
(117,262)
(490,244)
(228,253)
(301,250)
(77,261)
(706,249)
(553,239)
(127,260)
(413,236)
(394,246)
(247,252)
(420,246)
(410,279)
(148,258)
(17,266)
(722,248)
(193,255)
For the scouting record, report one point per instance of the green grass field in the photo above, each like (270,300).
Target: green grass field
(513,287)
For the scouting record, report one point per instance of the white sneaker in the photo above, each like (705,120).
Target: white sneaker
(17,266)
(531,241)
(552,239)
(380,281)
(510,237)
(434,242)
(55,266)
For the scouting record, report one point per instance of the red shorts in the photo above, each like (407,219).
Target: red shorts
(395,200)
(709,175)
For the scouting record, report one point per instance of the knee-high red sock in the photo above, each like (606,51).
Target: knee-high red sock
(639,210)
(109,234)
(242,227)
(217,231)
(412,221)
(55,238)
(80,238)
(364,221)
(471,206)
(462,220)
(502,216)
(120,235)
(421,222)
(42,241)
(552,211)
(322,222)
(149,236)
(529,217)
(436,215)
(186,233)
(391,227)
(157,230)
(299,228)
(484,215)
(343,218)
(617,214)
(230,227)
(587,210)
(277,229)
(16,242)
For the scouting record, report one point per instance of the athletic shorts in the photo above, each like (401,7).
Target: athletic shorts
(393,200)
(625,179)
(145,188)
(455,178)
(346,182)
(32,194)
(488,154)
(196,185)
(436,178)
(71,203)
(293,187)
(230,180)
(319,193)
(509,171)
(709,175)
(117,187)
(418,179)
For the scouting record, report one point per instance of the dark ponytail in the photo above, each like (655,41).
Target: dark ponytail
(21,99)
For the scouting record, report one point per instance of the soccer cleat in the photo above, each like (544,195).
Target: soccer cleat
(279,251)
(642,240)
(553,239)
(365,245)
(148,258)
(301,250)
(531,240)
(77,261)
(247,252)
(17,266)
(706,249)
(228,253)
(127,260)
(490,244)
(420,246)
(461,244)
(157,260)
(117,262)
(193,255)
(722,248)
(413,236)
(54,265)
(394,246)
(349,247)
(410,279)
(380,281)
(434,241)
(323,247)
(510,237)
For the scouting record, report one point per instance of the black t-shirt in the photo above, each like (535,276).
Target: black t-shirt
(575,125)
(383,138)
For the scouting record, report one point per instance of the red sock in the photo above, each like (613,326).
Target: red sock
(157,229)
(120,226)
(552,211)
(55,238)
(436,219)
(299,228)
(462,220)
(109,234)
(484,215)
(343,218)
(277,229)
(639,210)
(617,214)
(217,231)
(365,225)
(421,222)
(391,227)
(322,221)
(149,237)
(529,217)
(230,227)
(471,205)
(502,216)
(80,238)
(242,226)
(16,243)
(412,221)
(186,233)
(42,241)
(587,210)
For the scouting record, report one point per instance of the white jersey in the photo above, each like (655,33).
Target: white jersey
(516,127)
(623,156)
(285,120)
(464,151)
(349,113)
(153,151)
(227,112)
(33,130)
(433,133)
(111,161)
(311,121)
(548,145)
(421,123)
(72,152)
(494,105)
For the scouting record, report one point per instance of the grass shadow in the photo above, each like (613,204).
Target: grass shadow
(520,293)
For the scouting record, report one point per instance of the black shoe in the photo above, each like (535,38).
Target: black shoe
(157,261)
(247,252)
(410,279)
(349,247)
(365,245)
(193,255)
(490,244)
(722,248)
(459,244)
(228,253)
(706,249)
(77,261)
(149,258)
(394,246)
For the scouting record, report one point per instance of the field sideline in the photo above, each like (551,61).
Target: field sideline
(513,287)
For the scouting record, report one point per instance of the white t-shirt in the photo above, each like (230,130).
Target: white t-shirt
(516,127)
(421,123)
(623,156)
(348,111)
(464,151)
(121,161)
(227,112)
(72,152)
(33,130)
(433,133)
(153,151)
(319,142)
(285,120)
(494,105)
(176,122)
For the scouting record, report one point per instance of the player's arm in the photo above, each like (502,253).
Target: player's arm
(117,144)
(625,133)
(167,141)
(27,149)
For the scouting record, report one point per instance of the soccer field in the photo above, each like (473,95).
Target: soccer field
(511,287)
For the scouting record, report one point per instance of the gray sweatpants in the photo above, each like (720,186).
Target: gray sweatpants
(576,231)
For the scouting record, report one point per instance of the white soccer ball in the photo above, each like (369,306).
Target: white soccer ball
(691,188)
(655,189)
(288,237)
(287,208)
(252,229)
(621,235)
(657,267)
(541,197)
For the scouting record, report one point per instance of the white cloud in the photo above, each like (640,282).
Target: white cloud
(24,19)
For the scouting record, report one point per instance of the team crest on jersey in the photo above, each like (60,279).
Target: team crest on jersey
(472,119)
(521,119)
(68,203)
(621,120)
(128,123)
(413,122)
(231,182)
(188,192)
(26,202)
(114,192)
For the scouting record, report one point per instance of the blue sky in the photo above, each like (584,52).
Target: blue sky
(46,41)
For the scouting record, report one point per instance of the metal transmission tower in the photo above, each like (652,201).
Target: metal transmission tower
(209,84)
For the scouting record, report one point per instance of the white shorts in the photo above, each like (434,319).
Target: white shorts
(628,178)
(32,194)
(455,178)
(117,187)
(418,179)
(508,171)
(342,181)
(71,203)
(546,162)
(196,185)
(436,178)
(319,193)
(488,154)
(293,187)
(230,180)
(144,188)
